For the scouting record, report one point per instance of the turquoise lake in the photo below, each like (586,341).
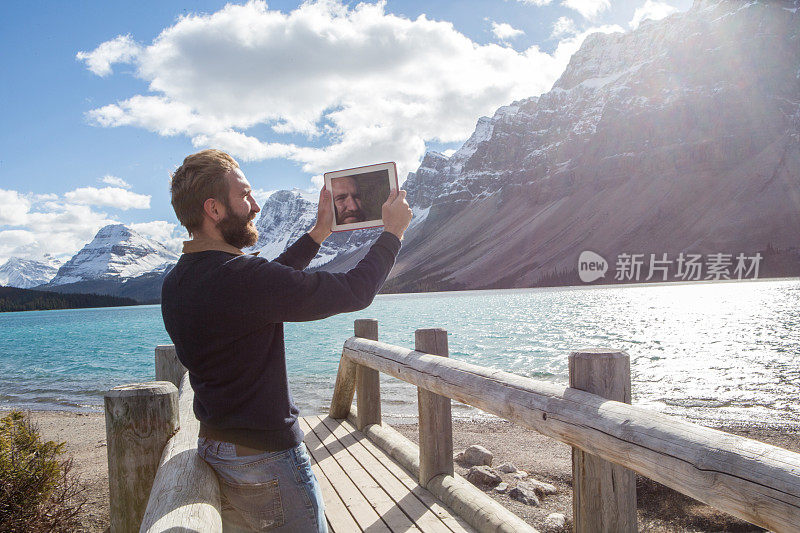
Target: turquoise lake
(714,352)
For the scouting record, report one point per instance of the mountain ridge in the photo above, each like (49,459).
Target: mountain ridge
(26,273)
(627,153)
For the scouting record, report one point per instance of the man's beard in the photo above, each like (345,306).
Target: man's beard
(237,230)
(358,214)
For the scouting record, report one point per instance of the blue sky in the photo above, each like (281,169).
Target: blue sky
(101,100)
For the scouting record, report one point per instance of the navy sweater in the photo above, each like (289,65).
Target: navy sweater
(224,312)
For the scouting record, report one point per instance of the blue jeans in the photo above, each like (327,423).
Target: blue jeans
(272,491)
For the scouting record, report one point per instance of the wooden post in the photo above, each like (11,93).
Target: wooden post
(140,419)
(368,384)
(168,367)
(435,420)
(604,494)
(344,389)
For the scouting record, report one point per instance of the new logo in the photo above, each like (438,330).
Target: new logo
(591,266)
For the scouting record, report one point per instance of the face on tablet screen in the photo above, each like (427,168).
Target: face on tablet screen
(347,200)
(358,197)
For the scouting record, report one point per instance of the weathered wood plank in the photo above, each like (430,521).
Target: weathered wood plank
(140,419)
(454,522)
(168,366)
(435,417)
(368,384)
(403,498)
(185,494)
(604,493)
(754,481)
(344,389)
(367,482)
(361,509)
(339,518)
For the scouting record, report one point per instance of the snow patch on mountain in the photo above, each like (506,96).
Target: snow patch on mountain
(116,252)
(26,273)
(285,217)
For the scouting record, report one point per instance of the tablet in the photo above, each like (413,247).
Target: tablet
(359,193)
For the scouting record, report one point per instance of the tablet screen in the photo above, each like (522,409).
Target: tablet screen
(358,195)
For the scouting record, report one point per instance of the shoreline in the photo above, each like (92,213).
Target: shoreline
(545,459)
(457,291)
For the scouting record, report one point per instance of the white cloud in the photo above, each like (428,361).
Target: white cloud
(14,240)
(653,10)
(32,225)
(115,181)
(318,180)
(504,31)
(588,8)
(108,197)
(448,153)
(43,197)
(564,26)
(13,208)
(49,227)
(362,84)
(119,50)
(261,195)
(535,2)
(169,234)
(244,146)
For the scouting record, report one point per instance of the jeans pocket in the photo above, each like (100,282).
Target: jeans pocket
(255,506)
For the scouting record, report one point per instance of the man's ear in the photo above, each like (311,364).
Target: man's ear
(213,209)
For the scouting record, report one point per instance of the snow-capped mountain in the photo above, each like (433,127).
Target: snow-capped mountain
(116,253)
(287,215)
(27,273)
(439,176)
(635,91)
(683,134)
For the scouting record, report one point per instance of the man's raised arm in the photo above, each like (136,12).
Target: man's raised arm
(295,296)
(304,249)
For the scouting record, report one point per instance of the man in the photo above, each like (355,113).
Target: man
(224,310)
(347,200)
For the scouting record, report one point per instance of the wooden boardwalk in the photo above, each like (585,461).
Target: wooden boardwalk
(366,490)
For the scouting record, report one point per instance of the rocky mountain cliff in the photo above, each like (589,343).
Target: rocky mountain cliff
(26,273)
(683,135)
(116,252)
(117,262)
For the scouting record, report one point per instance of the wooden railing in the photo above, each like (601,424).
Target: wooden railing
(611,439)
(156,478)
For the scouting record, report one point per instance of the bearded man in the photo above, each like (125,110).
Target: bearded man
(225,309)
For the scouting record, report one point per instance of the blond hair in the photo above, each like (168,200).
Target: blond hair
(200,177)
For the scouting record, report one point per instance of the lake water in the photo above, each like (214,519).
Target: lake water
(714,352)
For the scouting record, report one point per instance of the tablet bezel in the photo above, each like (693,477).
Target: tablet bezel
(393,186)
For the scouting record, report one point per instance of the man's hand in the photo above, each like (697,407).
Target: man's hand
(322,227)
(396,213)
